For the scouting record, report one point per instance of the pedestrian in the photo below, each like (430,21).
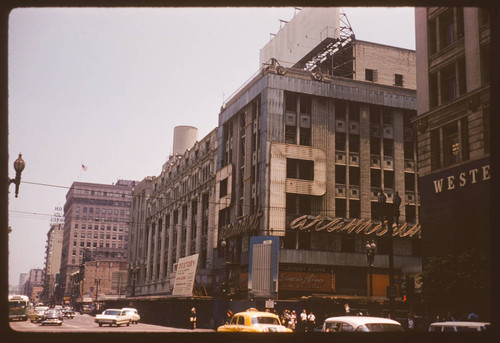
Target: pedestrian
(472,317)
(192,318)
(411,322)
(293,320)
(397,203)
(311,321)
(303,321)
(229,315)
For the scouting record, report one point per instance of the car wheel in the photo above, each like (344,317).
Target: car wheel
(60,324)
(100,324)
(128,323)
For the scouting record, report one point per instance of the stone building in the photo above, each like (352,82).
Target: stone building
(303,155)
(453,122)
(97,221)
(173,218)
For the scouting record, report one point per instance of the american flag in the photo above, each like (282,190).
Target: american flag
(84,167)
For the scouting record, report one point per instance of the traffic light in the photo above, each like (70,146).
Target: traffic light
(223,288)
(403,297)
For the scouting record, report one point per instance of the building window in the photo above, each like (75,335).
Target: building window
(298,109)
(398,80)
(408,150)
(388,179)
(375,146)
(448,84)
(340,174)
(388,147)
(353,142)
(354,178)
(410,213)
(298,204)
(340,141)
(354,209)
(433,90)
(375,178)
(446,29)
(223,188)
(410,182)
(371,75)
(340,208)
(299,169)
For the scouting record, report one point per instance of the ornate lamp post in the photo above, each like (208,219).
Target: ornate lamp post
(19,165)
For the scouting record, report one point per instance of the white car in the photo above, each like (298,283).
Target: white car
(459,326)
(360,324)
(113,317)
(134,315)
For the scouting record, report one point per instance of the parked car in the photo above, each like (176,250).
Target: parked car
(37,314)
(113,317)
(85,309)
(134,315)
(458,326)
(52,316)
(68,312)
(360,324)
(254,321)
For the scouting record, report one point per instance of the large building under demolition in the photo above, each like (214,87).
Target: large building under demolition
(280,199)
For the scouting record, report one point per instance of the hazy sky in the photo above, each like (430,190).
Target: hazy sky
(105,87)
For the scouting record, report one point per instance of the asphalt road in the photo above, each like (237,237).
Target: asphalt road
(85,323)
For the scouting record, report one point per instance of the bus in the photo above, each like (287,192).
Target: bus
(18,307)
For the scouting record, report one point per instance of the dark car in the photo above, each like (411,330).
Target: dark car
(52,316)
(68,313)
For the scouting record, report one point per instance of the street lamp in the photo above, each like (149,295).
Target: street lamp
(133,271)
(19,165)
(370,254)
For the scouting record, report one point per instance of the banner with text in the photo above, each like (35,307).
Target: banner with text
(185,276)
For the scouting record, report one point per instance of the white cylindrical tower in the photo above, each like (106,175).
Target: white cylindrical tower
(184,138)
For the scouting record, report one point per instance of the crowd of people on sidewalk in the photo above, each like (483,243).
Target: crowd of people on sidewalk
(304,322)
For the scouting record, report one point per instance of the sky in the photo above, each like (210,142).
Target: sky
(106,87)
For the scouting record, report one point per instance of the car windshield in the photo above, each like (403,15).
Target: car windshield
(112,312)
(265,320)
(379,327)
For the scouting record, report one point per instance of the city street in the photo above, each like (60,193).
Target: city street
(85,323)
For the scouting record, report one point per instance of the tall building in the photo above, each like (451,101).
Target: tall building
(173,216)
(293,170)
(53,251)
(302,157)
(23,277)
(453,59)
(96,225)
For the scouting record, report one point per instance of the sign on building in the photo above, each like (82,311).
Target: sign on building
(185,276)
(263,266)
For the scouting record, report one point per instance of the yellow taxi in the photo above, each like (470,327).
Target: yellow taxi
(254,321)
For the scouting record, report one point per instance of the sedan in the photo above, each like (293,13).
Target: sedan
(52,316)
(113,317)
